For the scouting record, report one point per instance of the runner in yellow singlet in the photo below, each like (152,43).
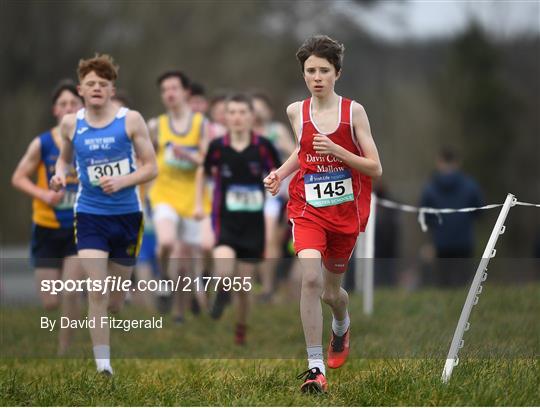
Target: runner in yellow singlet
(179,136)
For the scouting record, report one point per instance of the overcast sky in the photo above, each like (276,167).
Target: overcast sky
(393,19)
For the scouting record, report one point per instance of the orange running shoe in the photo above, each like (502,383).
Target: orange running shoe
(338,350)
(314,381)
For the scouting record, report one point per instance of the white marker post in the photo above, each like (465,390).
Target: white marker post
(463,325)
(365,254)
(369,258)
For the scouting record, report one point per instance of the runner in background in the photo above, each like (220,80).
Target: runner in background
(180,137)
(283,141)
(197,98)
(53,249)
(146,268)
(216,113)
(237,162)
(121,99)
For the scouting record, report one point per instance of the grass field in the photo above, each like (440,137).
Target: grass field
(397,357)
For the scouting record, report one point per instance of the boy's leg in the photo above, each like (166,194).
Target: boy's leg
(272,253)
(179,257)
(47,257)
(312,319)
(94,263)
(192,236)
(117,297)
(334,295)
(48,300)
(339,250)
(245,271)
(310,296)
(70,301)
(224,264)
(166,227)
(123,256)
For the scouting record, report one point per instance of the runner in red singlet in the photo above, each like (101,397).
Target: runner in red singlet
(336,158)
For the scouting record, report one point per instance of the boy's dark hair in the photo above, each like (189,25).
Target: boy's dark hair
(216,99)
(64,85)
(184,80)
(121,96)
(197,89)
(321,46)
(448,155)
(240,98)
(262,97)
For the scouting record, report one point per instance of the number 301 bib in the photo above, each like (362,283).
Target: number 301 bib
(109,168)
(326,189)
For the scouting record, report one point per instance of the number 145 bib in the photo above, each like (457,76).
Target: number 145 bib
(326,189)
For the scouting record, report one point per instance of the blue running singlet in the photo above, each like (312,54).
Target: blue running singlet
(105,151)
(60,215)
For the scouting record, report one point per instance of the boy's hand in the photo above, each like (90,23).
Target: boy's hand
(272,183)
(57,182)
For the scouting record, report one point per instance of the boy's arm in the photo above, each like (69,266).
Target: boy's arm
(153,132)
(200,181)
(196,157)
(26,168)
(65,158)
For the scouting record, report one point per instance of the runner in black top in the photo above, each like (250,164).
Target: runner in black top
(238,162)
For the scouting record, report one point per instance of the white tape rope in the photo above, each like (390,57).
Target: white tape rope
(422,211)
(527,204)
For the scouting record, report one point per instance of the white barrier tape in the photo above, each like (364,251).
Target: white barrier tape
(422,211)
(527,204)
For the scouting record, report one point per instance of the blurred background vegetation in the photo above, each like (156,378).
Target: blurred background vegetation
(472,90)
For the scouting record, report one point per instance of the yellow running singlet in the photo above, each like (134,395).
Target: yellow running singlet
(175,183)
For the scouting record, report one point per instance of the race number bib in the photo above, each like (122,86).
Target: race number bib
(242,197)
(326,189)
(68,201)
(115,168)
(178,162)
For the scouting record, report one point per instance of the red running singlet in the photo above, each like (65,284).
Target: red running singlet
(325,190)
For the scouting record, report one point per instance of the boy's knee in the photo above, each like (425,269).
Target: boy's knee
(312,281)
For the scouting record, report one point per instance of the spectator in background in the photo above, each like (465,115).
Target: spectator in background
(280,137)
(197,99)
(452,234)
(146,268)
(121,99)
(216,113)
(53,249)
